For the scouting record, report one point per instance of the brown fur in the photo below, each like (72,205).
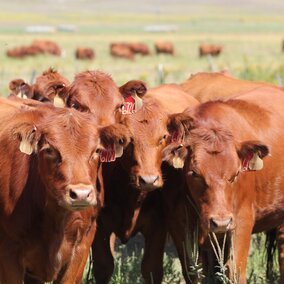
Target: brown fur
(218,144)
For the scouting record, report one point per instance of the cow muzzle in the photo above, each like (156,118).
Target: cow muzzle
(149,182)
(80,197)
(221,225)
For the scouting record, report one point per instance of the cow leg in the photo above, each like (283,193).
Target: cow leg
(103,262)
(280,244)
(152,262)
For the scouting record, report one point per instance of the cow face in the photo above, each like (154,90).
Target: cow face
(143,156)
(49,87)
(21,89)
(66,145)
(216,167)
(97,93)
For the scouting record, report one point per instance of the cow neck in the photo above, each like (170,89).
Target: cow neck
(49,219)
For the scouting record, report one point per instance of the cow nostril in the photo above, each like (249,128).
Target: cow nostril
(73,195)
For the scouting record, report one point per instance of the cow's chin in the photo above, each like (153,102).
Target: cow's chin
(72,206)
(148,187)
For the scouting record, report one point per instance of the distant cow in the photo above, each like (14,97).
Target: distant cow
(47,46)
(164,47)
(139,48)
(23,51)
(210,49)
(121,50)
(84,53)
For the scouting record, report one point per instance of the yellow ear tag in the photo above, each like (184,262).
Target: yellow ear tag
(26,147)
(118,150)
(256,163)
(58,102)
(138,102)
(21,96)
(178,163)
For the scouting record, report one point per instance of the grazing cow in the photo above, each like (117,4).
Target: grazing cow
(131,202)
(164,47)
(211,86)
(121,50)
(44,182)
(84,53)
(23,51)
(226,142)
(140,48)
(210,49)
(48,87)
(47,46)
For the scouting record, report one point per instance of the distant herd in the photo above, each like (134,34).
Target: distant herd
(126,50)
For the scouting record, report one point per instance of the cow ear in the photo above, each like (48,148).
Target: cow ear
(133,91)
(251,154)
(21,89)
(28,135)
(178,126)
(59,90)
(114,139)
(175,155)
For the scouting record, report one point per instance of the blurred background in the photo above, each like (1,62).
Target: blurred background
(179,37)
(250,34)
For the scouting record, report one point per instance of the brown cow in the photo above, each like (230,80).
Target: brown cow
(131,203)
(84,53)
(48,87)
(23,51)
(42,187)
(139,48)
(96,92)
(211,86)
(164,47)
(121,50)
(210,49)
(47,46)
(226,142)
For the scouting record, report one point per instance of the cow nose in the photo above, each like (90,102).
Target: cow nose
(221,225)
(82,196)
(148,179)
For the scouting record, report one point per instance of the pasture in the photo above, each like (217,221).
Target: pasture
(252,50)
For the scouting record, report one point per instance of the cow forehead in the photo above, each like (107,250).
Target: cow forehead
(70,127)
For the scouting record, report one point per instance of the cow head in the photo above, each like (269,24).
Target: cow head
(142,158)
(66,146)
(96,92)
(21,89)
(216,167)
(49,87)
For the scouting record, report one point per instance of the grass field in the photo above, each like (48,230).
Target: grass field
(251,34)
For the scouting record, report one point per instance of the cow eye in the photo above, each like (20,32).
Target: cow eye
(193,173)
(52,154)
(76,106)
